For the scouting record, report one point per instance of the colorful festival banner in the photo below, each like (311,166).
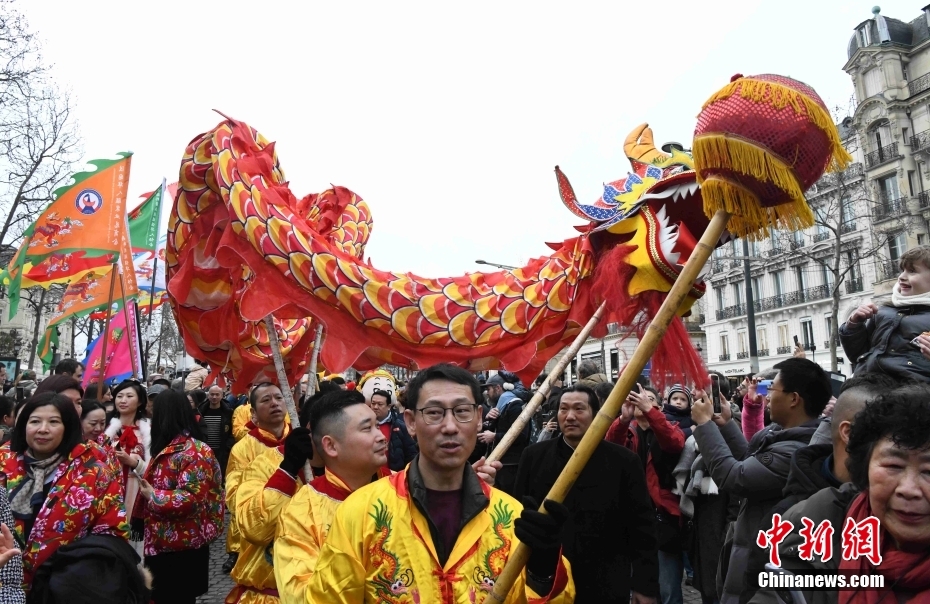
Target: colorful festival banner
(91,293)
(123,354)
(77,234)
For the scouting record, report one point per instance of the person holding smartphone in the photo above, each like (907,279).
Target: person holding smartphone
(644,429)
(757,470)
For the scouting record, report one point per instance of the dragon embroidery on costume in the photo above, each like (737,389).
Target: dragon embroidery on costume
(241,246)
(496,557)
(390,583)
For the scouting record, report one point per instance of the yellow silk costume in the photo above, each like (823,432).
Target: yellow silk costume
(302,530)
(380,549)
(248,571)
(242,415)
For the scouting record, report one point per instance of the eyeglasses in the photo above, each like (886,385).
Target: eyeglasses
(463,414)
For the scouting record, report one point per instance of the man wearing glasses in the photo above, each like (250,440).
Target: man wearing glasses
(435,532)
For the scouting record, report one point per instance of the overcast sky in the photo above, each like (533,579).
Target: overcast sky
(448,118)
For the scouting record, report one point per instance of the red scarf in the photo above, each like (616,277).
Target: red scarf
(266,438)
(903,571)
(128,439)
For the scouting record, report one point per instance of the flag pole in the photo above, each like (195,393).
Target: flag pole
(520,555)
(530,408)
(275,345)
(106,333)
(122,289)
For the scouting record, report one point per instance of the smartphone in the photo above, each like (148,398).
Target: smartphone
(715,392)
(762,388)
(797,342)
(20,393)
(137,474)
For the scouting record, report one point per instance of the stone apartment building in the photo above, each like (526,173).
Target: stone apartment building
(873,212)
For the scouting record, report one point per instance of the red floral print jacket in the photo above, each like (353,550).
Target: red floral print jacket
(186,509)
(84,499)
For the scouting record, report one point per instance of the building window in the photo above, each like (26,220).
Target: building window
(741,342)
(738,293)
(828,325)
(852,261)
(826,276)
(778,282)
(820,220)
(888,188)
(872,82)
(800,277)
(762,340)
(865,35)
(847,211)
(897,245)
(807,333)
(783,338)
(721,299)
(756,289)
(724,344)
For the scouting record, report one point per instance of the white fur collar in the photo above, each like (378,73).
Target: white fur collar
(145,430)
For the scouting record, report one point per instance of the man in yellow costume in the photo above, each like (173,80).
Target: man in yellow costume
(345,434)
(435,532)
(252,571)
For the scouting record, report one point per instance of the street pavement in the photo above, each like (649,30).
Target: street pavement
(220,583)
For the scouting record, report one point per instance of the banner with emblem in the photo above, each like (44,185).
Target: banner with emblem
(91,292)
(81,232)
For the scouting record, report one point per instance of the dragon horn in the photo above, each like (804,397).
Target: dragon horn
(640,146)
(568,195)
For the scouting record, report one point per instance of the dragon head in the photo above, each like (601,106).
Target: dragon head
(655,214)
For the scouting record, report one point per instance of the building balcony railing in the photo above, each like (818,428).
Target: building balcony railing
(889,269)
(784,350)
(811,294)
(775,251)
(742,355)
(919,141)
(832,179)
(797,242)
(818,237)
(890,208)
(847,227)
(919,85)
(923,200)
(808,346)
(763,352)
(826,344)
(725,357)
(731,311)
(881,155)
(853,285)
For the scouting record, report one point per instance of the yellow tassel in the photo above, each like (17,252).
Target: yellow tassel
(779,97)
(749,219)
(722,151)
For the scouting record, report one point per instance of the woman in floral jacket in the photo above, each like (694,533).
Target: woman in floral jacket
(60,489)
(181,503)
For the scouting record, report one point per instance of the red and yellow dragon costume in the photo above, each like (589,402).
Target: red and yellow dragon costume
(242,246)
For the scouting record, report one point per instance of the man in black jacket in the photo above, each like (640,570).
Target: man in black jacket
(218,419)
(496,425)
(401,448)
(758,470)
(610,536)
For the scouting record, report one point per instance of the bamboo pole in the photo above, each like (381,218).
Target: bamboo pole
(314,360)
(282,383)
(611,408)
(106,333)
(530,408)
